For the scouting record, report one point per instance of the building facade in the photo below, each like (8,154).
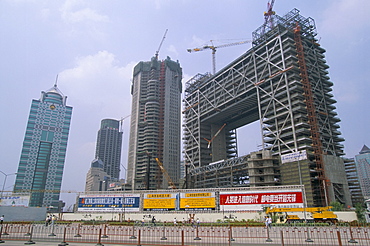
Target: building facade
(44,149)
(108,147)
(155,125)
(363,170)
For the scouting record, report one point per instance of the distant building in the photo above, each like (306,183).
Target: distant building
(44,149)
(108,147)
(96,178)
(363,170)
(155,126)
(353,181)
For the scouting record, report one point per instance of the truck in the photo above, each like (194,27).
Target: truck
(318,214)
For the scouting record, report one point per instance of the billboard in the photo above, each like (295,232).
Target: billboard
(160,201)
(198,201)
(105,203)
(15,200)
(256,200)
(296,156)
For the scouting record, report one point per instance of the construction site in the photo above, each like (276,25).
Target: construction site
(282,82)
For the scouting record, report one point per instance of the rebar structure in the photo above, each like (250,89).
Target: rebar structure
(281,82)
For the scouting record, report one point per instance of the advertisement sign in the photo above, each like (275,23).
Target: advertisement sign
(105,203)
(198,201)
(160,202)
(296,156)
(15,200)
(257,200)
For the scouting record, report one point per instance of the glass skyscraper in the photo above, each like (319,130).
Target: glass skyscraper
(44,149)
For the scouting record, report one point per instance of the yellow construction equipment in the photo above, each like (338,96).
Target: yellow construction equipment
(318,214)
(166,175)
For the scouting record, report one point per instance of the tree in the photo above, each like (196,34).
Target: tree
(360,212)
(337,206)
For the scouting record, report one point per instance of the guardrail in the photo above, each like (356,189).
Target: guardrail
(62,234)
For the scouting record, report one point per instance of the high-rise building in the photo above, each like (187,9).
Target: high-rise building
(108,147)
(44,149)
(155,126)
(96,178)
(363,170)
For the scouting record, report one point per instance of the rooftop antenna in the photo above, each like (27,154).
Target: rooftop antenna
(56,81)
(160,45)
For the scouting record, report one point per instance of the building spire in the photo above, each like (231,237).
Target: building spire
(56,81)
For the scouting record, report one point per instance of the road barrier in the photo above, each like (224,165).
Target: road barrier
(106,234)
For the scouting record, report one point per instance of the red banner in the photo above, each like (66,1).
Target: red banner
(261,198)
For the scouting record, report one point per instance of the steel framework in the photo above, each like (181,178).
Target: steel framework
(265,84)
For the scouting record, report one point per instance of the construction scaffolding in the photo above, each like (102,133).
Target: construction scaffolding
(283,83)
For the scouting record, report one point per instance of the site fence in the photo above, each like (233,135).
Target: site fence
(104,234)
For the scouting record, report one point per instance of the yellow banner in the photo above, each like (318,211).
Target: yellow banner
(159,195)
(197,203)
(159,203)
(203,194)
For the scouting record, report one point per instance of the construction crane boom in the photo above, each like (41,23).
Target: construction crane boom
(160,45)
(165,173)
(214,48)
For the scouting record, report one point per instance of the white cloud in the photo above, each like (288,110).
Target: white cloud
(73,11)
(98,81)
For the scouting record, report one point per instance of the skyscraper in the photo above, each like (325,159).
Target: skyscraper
(44,149)
(363,169)
(155,123)
(108,147)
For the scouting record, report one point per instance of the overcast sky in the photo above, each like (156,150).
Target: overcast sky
(93,46)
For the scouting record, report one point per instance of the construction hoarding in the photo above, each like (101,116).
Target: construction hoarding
(104,203)
(160,201)
(198,201)
(256,200)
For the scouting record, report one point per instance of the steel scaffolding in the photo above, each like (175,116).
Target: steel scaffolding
(266,84)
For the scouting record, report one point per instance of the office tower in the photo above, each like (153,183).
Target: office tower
(353,181)
(155,124)
(363,170)
(108,147)
(283,83)
(44,149)
(96,178)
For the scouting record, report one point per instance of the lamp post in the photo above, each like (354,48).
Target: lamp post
(6,176)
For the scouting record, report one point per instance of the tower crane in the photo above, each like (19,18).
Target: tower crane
(214,48)
(121,121)
(268,15)
(165,173)
(210,141)
(160,45)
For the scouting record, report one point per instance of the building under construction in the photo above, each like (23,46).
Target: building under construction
(283,83)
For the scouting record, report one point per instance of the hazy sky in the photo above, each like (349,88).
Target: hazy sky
(93,46)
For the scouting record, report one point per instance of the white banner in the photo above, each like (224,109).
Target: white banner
(296,156)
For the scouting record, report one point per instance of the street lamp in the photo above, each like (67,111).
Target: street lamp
(6,176)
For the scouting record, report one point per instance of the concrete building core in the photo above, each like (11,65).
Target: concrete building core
(283,83)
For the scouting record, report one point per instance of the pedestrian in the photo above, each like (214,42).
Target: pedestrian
(192,222)
(198,222)
(2,219)
(142,222)
(47,220)
(174,221)
(183,221)
(266,222)
(153,220)
(269,221)
(53,219)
